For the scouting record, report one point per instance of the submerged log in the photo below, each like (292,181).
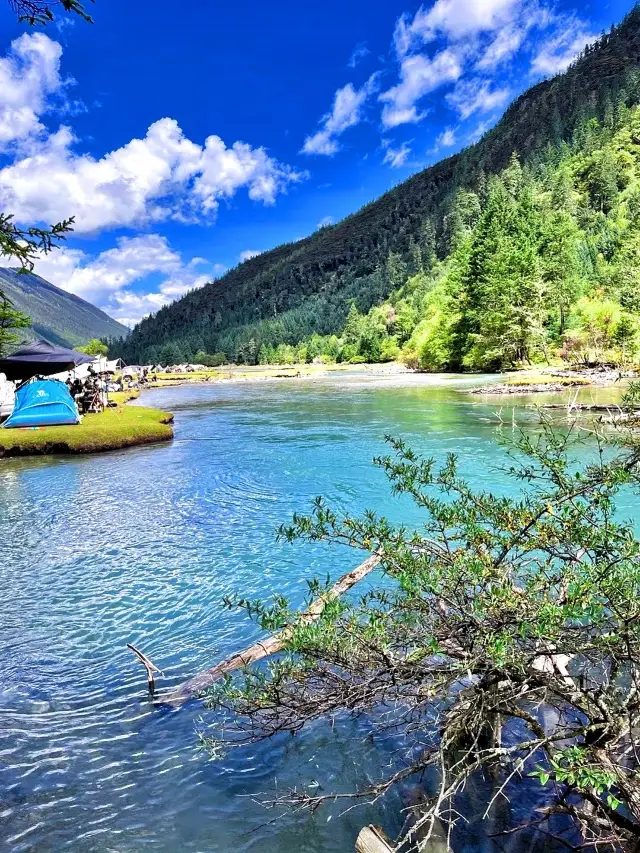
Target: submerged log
(592,407)
(197,685)
(148,665)
(372,839)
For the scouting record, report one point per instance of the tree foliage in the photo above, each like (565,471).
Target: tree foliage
(503,636)
(26,244)
(94,347)
(10,322)
(34,12)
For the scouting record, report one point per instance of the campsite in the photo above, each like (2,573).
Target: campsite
(57,400)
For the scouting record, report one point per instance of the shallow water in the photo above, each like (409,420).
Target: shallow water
(141,546)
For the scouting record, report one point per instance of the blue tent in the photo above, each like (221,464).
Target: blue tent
(46,402)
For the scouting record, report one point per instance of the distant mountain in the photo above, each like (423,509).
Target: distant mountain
(57,315)
(294,290)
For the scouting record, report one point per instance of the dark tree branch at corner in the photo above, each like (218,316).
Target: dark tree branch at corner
(25,244)
(35,12)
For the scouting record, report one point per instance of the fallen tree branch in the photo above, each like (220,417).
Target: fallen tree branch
(148,665)
(197,685)
(372,840)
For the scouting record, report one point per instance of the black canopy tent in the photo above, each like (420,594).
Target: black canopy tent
(41,358)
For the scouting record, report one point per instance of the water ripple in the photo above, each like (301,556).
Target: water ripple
(142,546)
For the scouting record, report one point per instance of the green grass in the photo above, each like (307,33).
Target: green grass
(124,426)
(122,397)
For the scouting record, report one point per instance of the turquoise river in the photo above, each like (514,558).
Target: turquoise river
(141,546)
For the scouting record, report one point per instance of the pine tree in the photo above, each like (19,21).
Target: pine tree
(11,321)
(501,322)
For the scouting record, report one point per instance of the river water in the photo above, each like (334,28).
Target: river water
(141,546)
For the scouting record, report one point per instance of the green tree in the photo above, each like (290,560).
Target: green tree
(216,360)
(560,267)
(353,326)
(26,244)
(625,337)
(602,180)
(42,12)
(396,271)
(94,347)
(596,320)
(501,323)
(10,321)
(171,354)
(432,342)
(462,218)
(503,638)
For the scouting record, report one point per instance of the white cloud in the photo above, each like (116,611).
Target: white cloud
(472,96)
(360,51)
(402,36)
(345,113)
(106,279)
(454,19)
(557,53)
(506,43)
(223,170)
(129,306)
(249,253)
(470,36)
(419,75)
(163,175)
(395,157)
(447,139)
(29,74)
(480,130)
(325,221)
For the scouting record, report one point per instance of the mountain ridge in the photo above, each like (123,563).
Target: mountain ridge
(57,315)
(307,286)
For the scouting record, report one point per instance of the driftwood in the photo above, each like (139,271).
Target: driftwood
(372,839)
(591,407)
(534,388)
(148,665)
(195,686)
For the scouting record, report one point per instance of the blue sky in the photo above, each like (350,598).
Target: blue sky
(182,142)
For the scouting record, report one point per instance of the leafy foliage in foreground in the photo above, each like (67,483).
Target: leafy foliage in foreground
(34,12)
(431,255)
(10,321)
(505,637)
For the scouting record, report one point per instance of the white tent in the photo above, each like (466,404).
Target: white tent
(103,365)
(79,372)
(98,365)
(7,396)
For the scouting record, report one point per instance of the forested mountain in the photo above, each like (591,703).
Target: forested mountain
(56,315)
(523,244)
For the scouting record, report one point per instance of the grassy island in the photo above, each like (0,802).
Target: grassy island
(115,428)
